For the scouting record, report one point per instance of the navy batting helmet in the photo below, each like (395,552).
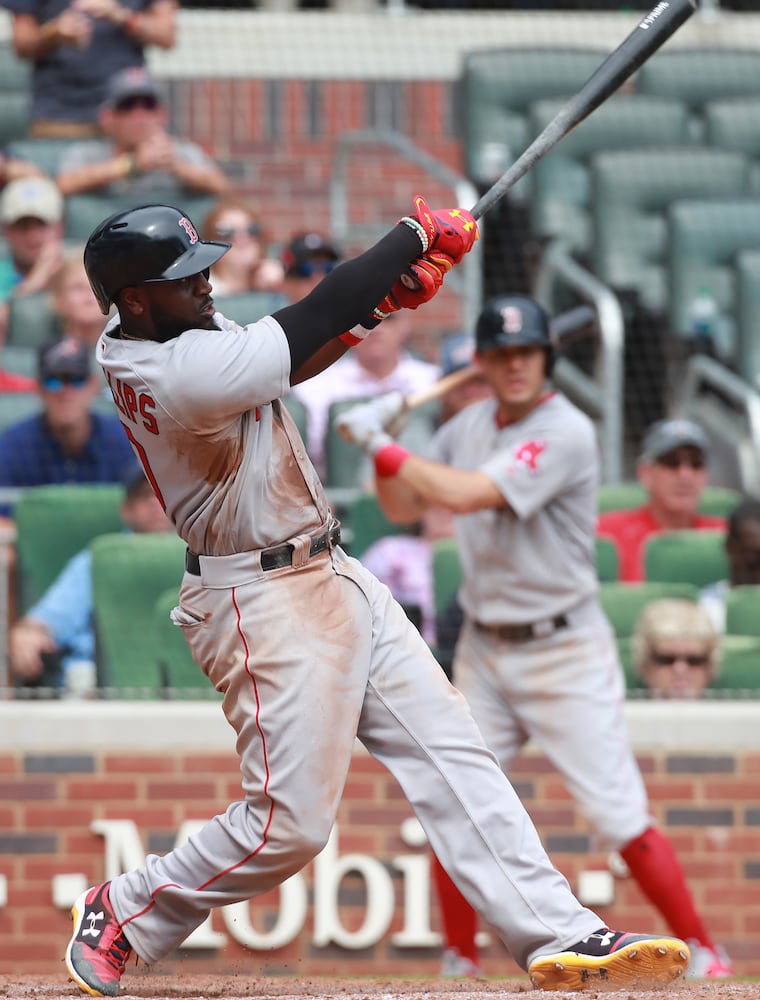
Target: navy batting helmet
(513,321)
(148,243)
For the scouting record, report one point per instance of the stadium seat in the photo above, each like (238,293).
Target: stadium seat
(21,359)
(748,315)
(697,76)
(248,307)
(620,496)
(498,85)
(297,409)
(31,320)
(740,668)
(447,572)
(686,556)
(15,406)
(129,572)
(84,212)
(631,193)
(14,115)
(734,123)
(560,193)
(704,236)
(743,610)
(607,560)
(53,523)
(46,153)
(718,501)
(367,523)
(15,73)
(180,674)
(624,602)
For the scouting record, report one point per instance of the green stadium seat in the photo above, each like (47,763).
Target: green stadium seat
(46,153)
(15,406)
(366,523)
(624,602)
(697,76)
(718,501)
(21,359)
(297,409)
(688,556)
(447,572)
(620,496)
(740,668)
(607,560)
(498,85)
(32,320)
(84,212)
(734,123)
(632,191)
(14,115)
(748,314)
(561,188)
(704,236)
(53,523)
(15,73)
(743,610)
(179,673)
(247,307)
(129,573)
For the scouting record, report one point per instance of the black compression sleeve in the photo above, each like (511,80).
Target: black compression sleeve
(347,295)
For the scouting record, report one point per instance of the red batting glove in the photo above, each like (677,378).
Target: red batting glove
(452,231)
(418,284)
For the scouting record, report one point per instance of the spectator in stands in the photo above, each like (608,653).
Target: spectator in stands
(31,215)
(56,636)
(456,353)
(13,169)
(672,468)
(306,260)
(675,648)
(67,442)
(75,46)
(136,153)
(379,364)
(246,266)
(74,302)
(743,551)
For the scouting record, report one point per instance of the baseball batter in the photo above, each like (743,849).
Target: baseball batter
(536,657)
(309,650)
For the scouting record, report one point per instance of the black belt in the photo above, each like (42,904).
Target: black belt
(279,555)
(523,633)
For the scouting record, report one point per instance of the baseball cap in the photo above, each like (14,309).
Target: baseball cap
(667,435)
(457,351)
(68,357)
(298,256)
(132,82)
(31,197)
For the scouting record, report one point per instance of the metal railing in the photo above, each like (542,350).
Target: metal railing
(467,278)
(600,394)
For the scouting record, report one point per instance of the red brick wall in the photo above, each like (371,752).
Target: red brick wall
(707,803)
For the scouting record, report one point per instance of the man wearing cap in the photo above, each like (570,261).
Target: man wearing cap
(75,46)
(672,468)
(67,441)
(136,153)
(31,215)
(54,640)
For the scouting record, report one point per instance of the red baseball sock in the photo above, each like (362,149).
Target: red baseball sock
(460,921)
(653,863)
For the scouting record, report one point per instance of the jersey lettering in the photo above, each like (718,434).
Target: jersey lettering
(130,404)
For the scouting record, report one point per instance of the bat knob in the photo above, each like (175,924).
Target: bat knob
(409,282)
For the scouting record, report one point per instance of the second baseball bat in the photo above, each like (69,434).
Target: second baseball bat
(650,33)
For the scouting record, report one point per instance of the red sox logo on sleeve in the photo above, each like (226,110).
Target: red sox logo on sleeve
(527,454)
(189,229)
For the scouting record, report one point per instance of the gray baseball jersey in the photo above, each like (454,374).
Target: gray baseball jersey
(528,566)
(308,654)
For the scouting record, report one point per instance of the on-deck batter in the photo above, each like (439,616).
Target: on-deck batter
(308,649)
(536,657)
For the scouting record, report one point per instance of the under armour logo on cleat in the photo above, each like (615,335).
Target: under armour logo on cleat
(93,930)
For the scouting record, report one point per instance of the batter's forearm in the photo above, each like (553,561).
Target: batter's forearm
(320,360)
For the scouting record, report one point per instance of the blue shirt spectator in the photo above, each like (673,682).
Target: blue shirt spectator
(67,442)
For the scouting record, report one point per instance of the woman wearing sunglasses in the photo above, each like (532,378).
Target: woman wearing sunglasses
(245,267)
(676,648)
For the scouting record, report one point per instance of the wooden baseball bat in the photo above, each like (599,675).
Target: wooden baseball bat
(650,33)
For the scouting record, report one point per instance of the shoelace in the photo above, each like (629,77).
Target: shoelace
(118,952)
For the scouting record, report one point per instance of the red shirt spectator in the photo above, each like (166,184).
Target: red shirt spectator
(672,468)
(11,382)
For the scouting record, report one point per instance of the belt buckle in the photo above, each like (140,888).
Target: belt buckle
(541,630)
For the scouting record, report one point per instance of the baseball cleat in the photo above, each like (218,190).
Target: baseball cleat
(98,950)
(612,960)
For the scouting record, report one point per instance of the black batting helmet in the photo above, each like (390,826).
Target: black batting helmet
(514,320)
(147,243)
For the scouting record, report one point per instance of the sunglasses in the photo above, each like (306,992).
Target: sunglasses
(308,268)
(670,659)
(130,103)
(227,232)
(676,461)
(57,382)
